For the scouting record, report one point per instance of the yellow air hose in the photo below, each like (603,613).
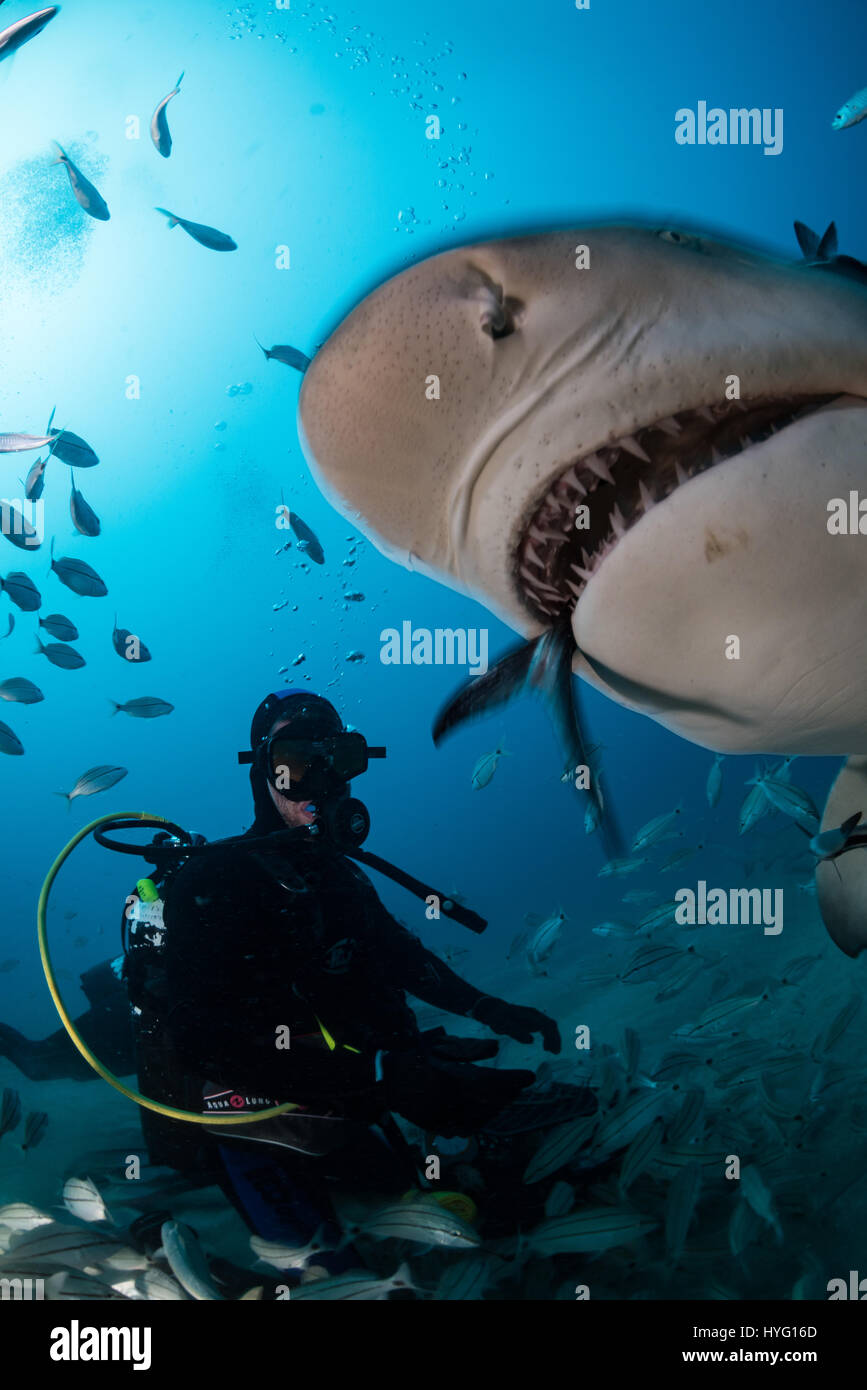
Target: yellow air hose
(167,1110)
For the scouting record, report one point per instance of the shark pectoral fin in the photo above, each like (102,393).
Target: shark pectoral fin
(500,684)
(808,241)
(828,244)
(544,664)
(841,883)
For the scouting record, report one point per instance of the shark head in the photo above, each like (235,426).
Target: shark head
(635,431)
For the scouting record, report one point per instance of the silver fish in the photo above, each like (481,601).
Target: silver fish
(619,1128)
(641,1152)
(144,707)
(21,1216)
(560,1200)
(34,483)
(674,1064)
(714,780)
(21,691)
(756,1192)
(200,232)
(679,979)
(543,940)
(792,800)
(84,518)
(649,962)
(10,743)
(717,1018)
(82,1198)
(683,1126)
(486,767)
(852,111)
(287,1256)
(19,443)
(616,868)
(159,123)
(620,931)
(655,830)
(468,1278)
(96,779)
(422,1220)
(357,1285)
(83,190)
(838,1025)
(187,1261)
(680,1206)
(592,1229)
(559,1147)
(22,30)
(77,1247)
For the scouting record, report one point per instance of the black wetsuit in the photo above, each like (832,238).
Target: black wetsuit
(283,933)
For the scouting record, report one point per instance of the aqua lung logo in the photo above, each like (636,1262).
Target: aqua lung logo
(737,126)
(15,522)
(22,1289)
(77,1343)
(441,646)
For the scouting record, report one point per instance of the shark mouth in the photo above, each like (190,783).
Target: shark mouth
(622,481)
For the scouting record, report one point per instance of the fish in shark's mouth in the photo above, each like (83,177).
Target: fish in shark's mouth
(620,482)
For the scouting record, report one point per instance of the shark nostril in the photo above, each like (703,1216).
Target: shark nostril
(502,320)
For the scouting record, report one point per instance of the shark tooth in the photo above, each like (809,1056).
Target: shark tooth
(647,499)
(574,588)
(574,482)
(680,473)
(669,425)
(632,446)
(585,574)
(597,465)
(706,413)
(618,523)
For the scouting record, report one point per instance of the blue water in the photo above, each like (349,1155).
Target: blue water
(304,127)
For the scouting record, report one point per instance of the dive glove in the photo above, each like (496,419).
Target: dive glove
(517,1021)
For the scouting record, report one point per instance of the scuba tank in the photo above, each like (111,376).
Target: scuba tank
(159,1071)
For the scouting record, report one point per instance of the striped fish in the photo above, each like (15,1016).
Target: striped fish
(641,1152)
(357,1285)
(618,1130)
(680,1206)
(187,1261)
(422,1220)
(593,1229)
(559,1147)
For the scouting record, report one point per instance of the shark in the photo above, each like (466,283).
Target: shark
(625,441)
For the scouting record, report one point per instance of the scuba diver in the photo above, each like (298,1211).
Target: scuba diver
(285,980)
(265,970)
